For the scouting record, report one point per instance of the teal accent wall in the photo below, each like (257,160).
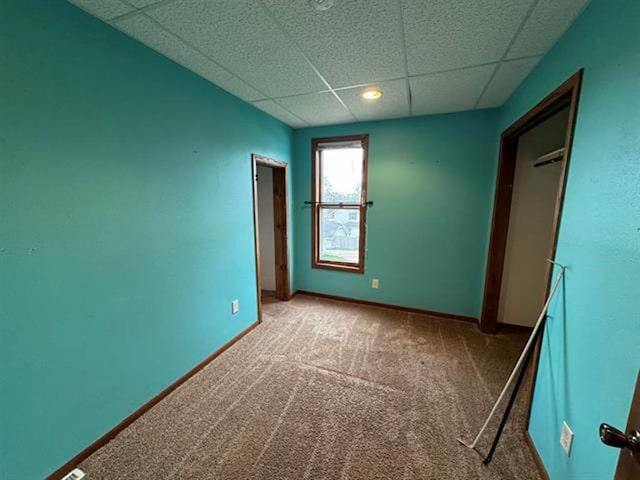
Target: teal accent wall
(431,179)
(126,227)
(590,357)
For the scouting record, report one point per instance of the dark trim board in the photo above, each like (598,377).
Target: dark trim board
(510,327)
(280,226)
(316,173)
(536,456)
(111,434)
(566,95)
(431,313)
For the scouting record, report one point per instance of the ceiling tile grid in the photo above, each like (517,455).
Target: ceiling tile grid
(150,33)
(275,110)
(317,108)
(508,76)
(545,25)
(352,43)
(239,35)
(393,104)
(452,91)
(448,34)
(309,67)
(104,9)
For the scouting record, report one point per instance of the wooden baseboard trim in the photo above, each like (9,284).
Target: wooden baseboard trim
(536,456)
(431,313)
(510,328)
(111,434)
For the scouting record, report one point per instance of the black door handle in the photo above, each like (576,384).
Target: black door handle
(615,438)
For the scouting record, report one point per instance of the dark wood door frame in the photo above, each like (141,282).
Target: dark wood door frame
(280,226)
(566,95)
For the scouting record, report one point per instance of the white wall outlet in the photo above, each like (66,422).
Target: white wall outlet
(235,306)
(76,474)
(375,283)
(566,438)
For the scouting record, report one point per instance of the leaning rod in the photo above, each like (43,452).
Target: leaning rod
(521,360)
(507,411)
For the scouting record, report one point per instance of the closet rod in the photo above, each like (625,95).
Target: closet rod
(551,157)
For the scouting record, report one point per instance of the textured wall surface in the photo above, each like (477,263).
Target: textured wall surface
(127,227)
(431,179)
(590,356)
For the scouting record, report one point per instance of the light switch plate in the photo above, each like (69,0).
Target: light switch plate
(566,438)
(235,306)
(375,283)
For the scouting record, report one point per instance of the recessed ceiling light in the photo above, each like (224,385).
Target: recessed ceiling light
(372,94)
(321,5)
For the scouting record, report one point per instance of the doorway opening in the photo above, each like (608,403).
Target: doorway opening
(532,171)
(271,226)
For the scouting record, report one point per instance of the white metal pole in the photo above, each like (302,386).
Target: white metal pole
(521,359)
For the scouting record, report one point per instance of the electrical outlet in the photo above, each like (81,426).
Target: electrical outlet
(566,438)
(76,474)
(235,307)
(375,283)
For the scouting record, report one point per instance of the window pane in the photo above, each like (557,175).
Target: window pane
(339,235)
(341,175)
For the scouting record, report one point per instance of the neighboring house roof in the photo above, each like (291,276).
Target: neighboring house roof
(330,228)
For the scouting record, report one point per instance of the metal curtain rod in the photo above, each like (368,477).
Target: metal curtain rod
(341,204)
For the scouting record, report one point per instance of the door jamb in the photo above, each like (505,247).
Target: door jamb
(566,95)
(281,226)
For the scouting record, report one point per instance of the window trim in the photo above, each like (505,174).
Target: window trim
(315,207)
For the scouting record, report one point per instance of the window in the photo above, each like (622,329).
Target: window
(339,202)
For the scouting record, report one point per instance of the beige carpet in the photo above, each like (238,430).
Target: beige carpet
(331,390)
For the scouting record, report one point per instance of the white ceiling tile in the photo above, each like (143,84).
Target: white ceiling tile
(448,91)
(275,110)
(352,43)
(393,104)
(241,37)
(509,75)
(151,34)
(317,108)
(104,9)
(548,21)
(448,34)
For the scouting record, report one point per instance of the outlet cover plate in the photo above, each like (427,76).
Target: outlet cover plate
(76,474)
(566,438)
(375,283)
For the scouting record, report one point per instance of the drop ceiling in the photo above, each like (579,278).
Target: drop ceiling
(308,67)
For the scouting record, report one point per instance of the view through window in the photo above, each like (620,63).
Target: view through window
(339,202)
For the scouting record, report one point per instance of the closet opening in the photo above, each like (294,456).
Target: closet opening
(534,159)
(270,215)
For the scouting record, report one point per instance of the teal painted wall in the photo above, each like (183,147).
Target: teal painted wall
(431,179)
(590,351)
(126,227)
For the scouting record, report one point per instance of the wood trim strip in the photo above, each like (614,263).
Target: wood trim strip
(111,434)
(280,225)
(420,311)
(536,456)
(256,231)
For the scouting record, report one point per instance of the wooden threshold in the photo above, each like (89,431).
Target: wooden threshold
(111,434)
(431,313)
